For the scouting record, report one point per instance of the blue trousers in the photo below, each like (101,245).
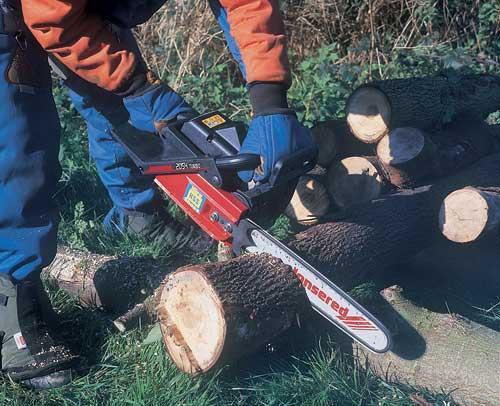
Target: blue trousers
(29,166)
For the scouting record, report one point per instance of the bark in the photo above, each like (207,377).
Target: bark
(441,352)
(335,141)
(113,284)
(310,201)
(470,214)
(213,314)
(356,180)
(425,103)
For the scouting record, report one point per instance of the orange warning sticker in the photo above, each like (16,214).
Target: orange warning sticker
(214,121)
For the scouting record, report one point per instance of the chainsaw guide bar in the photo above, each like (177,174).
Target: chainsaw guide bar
(326,298)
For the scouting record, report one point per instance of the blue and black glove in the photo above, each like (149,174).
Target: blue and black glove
(274,131)
(151,103)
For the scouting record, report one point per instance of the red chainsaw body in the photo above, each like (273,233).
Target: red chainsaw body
(214,210)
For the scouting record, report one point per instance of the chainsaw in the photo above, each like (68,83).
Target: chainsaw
(195,162)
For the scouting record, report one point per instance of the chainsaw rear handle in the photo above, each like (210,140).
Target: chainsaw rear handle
(236,163)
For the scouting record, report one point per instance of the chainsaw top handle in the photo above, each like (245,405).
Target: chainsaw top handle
(207,145)
(241,162)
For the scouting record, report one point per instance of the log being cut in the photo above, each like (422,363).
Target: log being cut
(470,214)
(425,103)
(215,313)
(123,286)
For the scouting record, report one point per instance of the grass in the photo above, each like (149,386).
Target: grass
(121,369)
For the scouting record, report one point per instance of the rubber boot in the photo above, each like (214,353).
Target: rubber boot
(30,355)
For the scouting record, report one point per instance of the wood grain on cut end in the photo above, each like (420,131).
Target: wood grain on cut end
(353,181)
(400,146)
(469,214)
(192,321)
(368,114)
(212,314)
(309,203)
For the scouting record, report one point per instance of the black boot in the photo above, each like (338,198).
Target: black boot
(162,227)
(30,355)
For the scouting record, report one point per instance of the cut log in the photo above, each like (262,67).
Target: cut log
(335,141)
(309,203)
(407,155)
(375,108)
(440,352)
(411,157)
(355,180)
(211,314)
(369,114)
(469,214)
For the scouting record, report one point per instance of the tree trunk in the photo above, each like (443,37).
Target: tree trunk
(356,180)
(425,103)
(310,201)
(441,352)
(215,313)
(470,214)
(335,141)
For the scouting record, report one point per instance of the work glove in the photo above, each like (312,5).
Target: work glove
(274,131)
(151,104)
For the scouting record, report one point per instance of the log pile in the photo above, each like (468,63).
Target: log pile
(395,139)
(413,161)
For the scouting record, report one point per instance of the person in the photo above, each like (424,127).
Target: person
(89,43)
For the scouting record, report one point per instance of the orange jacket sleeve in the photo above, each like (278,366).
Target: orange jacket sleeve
(259,31)
(79,40)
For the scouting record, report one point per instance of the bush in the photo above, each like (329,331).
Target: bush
(183,38)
